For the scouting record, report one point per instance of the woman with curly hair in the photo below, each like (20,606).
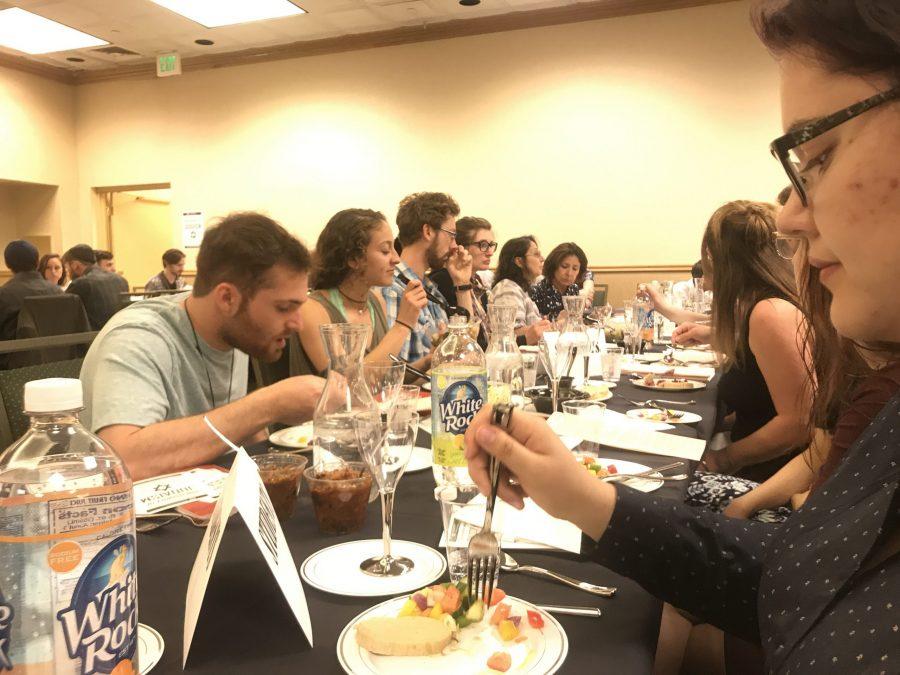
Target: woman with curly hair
(355,252)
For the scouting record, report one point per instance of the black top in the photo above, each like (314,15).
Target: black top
(100,292)
(13,292)
(806,590)
(548,299)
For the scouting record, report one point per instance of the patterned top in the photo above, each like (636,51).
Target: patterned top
(418,344)
(508,290)
(817,592)
(548,299)
(159,282)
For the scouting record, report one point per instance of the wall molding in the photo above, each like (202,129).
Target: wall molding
(552,16)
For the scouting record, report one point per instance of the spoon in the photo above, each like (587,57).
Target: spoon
(510,565)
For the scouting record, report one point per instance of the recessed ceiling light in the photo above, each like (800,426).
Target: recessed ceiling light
(33,34)
(213,13)
(204,42)
(75,59)
(469,3)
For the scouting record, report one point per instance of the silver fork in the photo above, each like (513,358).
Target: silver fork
(483,567)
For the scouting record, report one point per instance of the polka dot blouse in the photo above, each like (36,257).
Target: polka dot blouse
(820,593)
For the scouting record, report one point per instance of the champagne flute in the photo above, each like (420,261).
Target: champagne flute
(386,443)
(384,380)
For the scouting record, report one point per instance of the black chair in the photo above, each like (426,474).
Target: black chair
(601,292)
(46,316)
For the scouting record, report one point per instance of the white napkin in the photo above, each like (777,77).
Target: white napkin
(694,356)
(627,436)
(532,527)
(702,373)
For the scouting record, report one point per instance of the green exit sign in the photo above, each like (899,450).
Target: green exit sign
(168,64)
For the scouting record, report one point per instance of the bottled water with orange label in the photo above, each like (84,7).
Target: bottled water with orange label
(458,390)
(68,576)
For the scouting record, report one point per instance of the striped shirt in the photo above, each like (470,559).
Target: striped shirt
(418,344)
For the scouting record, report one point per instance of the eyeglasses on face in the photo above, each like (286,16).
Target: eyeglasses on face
(485,246)
(452,233)
(785,148)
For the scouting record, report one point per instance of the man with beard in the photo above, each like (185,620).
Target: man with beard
(162,364)
(426,222)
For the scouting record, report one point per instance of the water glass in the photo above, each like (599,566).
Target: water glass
(611,363)
(453,499)
(592,409)
(529,362)
(408,398)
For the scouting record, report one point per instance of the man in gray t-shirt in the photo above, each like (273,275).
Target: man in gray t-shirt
(159,366)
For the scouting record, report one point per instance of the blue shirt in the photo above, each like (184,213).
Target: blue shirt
(418,344)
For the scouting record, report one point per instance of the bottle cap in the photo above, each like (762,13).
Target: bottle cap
(55,394)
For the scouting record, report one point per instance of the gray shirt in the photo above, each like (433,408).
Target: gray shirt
(144,368)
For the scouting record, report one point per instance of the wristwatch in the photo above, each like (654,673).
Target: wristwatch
(464,287)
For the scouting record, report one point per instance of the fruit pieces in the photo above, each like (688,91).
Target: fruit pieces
(499,661)
(497,596)
(452,600)
(501,613)
(535,620)
(508,630)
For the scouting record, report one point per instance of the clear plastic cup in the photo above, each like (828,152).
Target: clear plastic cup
(340,495)
(453,499)
(529,362)
(281,474)
(611,364)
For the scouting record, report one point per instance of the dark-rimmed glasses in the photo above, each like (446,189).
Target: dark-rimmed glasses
(784,147)
(485,246)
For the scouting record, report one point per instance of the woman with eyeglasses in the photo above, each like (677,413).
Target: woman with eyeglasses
(565,269)
(818,593)
(519,265)
(477,236)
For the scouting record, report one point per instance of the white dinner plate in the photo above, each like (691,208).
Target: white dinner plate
(694,386)
(423,404)
(150,648)
(419,460)
(648,413)
(298,437)
(596,382)
(623,466)
(603,397)
(336,569)
(544,650)
(649,357)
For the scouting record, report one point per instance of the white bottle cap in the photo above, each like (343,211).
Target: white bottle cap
(54,394)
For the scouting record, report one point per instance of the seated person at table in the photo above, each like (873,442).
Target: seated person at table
(754,326)
(105,260)
(426,223)
(681,289)
(169,279)
(100,291)
(519,265)
(21,258)
(162,364)
(353,255)
(52,269)
(564,270)
(476,235)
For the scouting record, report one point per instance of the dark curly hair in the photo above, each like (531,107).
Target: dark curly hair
(343,240)
(561,252)
(423,208)
(506,265)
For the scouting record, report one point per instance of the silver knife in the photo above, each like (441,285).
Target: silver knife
(574,611)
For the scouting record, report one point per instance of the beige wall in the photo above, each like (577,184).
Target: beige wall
(623,135)
(37,145)
(142,230)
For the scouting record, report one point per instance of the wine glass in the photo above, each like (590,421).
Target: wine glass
(386,443)
(555,359)
(384,380)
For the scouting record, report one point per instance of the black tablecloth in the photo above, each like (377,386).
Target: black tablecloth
(245,624)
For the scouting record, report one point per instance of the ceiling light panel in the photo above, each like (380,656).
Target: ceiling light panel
(214,13)
(33,34)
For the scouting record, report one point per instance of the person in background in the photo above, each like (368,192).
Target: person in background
(100,291)
(426,223)
(354,255)
(564,271)
(105,260)
(21,258)
(161,365)
(477,237)
(169,279)
(52,269)
(519,265)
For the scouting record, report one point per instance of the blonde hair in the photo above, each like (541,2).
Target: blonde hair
(738,253)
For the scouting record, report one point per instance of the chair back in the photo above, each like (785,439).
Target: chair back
(46,315)
(601,292)
(13,421)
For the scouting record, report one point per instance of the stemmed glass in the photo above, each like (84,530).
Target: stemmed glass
(386,442)
(555,361)
(384,380)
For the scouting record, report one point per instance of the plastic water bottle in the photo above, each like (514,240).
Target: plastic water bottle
(68,576)
(458,390)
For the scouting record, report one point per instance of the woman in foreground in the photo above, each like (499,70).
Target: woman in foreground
(818,593)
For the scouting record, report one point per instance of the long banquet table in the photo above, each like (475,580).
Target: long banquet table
(245,625)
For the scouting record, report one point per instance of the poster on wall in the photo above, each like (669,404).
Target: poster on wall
(192,228)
